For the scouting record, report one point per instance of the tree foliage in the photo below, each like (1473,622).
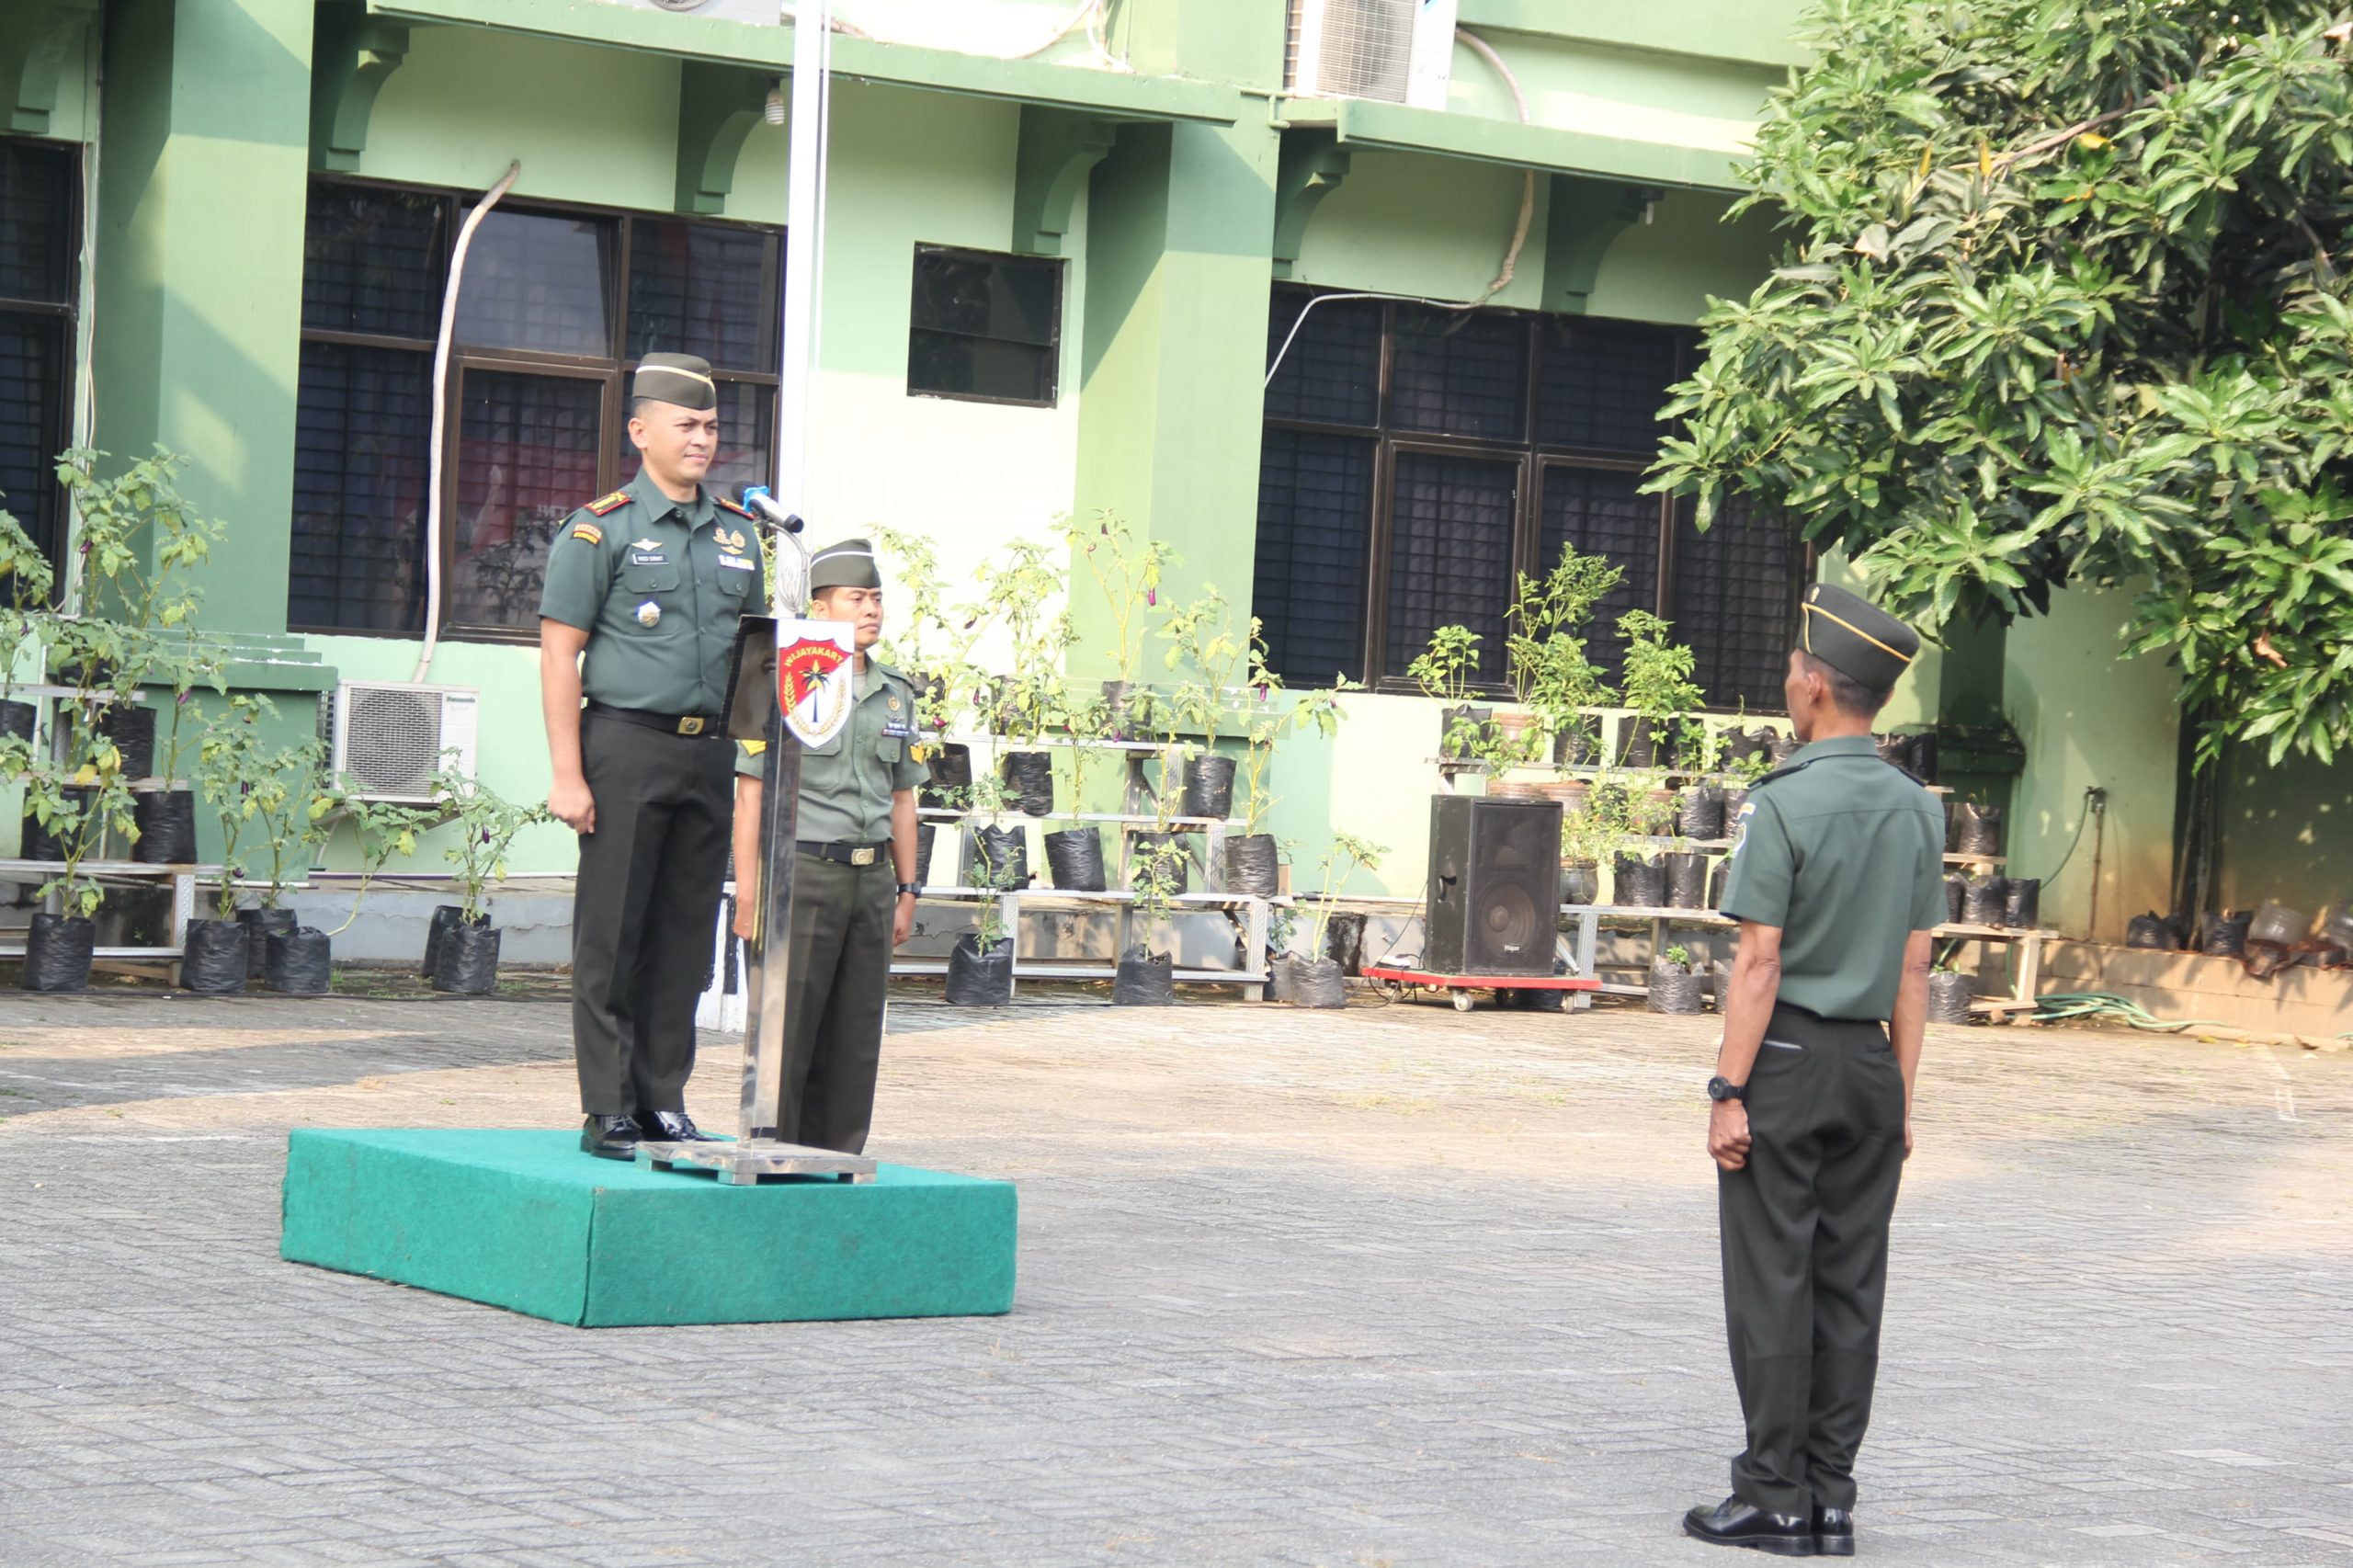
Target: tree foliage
(2067,302)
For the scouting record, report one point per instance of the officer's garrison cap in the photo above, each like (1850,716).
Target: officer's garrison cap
(680,379)
(1855,637)
(846,564)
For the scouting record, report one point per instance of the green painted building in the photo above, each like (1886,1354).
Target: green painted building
(1058,269)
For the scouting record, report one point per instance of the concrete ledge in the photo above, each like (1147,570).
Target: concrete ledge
(525,1221)
(2301,1001)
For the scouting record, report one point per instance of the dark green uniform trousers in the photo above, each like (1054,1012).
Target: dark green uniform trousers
(1805,1227)
(646,913)
(841,971)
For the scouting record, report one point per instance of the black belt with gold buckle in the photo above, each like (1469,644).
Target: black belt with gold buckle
(847,853)
(699,726)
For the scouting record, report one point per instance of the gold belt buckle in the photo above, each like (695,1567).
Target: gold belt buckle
(862,855)
(691,724)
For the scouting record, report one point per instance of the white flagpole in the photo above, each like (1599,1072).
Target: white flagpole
(803,261)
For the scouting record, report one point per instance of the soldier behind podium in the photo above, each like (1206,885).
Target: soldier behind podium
(1837,881)
(854,882)
(637,622)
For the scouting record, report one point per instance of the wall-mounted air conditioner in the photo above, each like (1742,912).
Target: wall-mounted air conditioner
(766,13)
(391,738)
(1395,50)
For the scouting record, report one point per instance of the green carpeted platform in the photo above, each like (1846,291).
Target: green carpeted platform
(525,1221)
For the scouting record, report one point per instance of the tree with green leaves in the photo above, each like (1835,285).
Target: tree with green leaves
(2066,302)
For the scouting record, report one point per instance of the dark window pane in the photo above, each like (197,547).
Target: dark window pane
(983,326)
(1737,602)
(537,281)
(36,239)
(1314,531)
(374,261)
(526,458)
(973,367)
(698,288)
(32,422)
(746,437)
(1331,372)
(362,429)
(1450,554)
(1459,373)
(1601,383)
(1010,298)
(1602,513)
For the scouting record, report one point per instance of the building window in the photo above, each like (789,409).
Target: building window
(558,306)
(39,269)
(984,327)
(1417,459)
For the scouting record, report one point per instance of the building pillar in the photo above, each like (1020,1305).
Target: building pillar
(203,175)
(1178,277)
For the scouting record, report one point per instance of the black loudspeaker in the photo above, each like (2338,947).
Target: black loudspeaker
(1494,885)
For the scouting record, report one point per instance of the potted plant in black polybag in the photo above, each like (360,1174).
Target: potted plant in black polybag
(75,802)
(980,966)
(1019,589)
(385,830)
(932,646)
(1253,860)
(1202,638)
(1145,976)
(236,773)
(292,807)
(1950,994)
(1127,573)
(484,824)
(1314,979)
(1677,985)
(1656,683)
(1074,854)
(1446,671)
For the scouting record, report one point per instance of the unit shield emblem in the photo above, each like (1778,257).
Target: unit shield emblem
(815,681)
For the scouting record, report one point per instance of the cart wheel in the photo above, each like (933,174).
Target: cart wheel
(1462,999)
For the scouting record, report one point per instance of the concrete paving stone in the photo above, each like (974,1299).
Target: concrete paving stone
(1294,1289)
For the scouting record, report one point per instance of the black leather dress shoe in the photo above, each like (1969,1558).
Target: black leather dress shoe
(610,1137)
(1834,1533)
(670,1127)
(1734,1523)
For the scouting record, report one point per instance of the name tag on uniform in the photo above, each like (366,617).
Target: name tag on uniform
(655,558)
(898,730)
(739,562)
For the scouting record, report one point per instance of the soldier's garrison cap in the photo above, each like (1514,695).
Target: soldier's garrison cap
(846,564)
(1855,637)
(676,377)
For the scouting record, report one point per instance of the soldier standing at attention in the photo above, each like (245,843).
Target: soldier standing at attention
(854,886)
(1836,879)
(638,616)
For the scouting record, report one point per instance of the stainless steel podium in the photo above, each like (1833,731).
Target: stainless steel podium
(757,1151)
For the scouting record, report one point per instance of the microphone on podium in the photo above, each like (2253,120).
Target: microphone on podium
(757,499)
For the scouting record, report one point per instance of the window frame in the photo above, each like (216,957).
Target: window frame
(73,264)
(1060,270)
(614,369)
(1534,456)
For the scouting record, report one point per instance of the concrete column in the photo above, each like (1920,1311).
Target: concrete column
(204,172)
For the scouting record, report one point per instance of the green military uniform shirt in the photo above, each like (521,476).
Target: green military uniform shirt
(659,586)
(1845,855)
(847,784)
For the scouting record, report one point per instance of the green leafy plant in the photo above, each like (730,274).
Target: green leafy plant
(929,642)
(486,824)
(1085,718)
(1549,671)
(1203,640)
(1348,855)
(1155,877)
(26,623)
(384,830)
(2065,302)
(1127,572)
(1020,586)
(1445,670)
(292,814)
(1657,684)
(1678,956)
(232,768)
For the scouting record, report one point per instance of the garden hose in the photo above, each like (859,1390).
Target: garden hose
(2062,1005)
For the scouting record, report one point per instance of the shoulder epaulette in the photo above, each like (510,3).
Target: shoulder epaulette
(739,511)
(612,503)
(1783,772)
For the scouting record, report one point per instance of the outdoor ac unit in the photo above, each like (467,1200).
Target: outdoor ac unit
(1350,49)
(391,738)
(767,13)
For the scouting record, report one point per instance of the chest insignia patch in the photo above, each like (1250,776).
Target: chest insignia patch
(646,544)
(730,540)
(649,614)
(612,503)
(1740,826)
(740,562)
(588,531)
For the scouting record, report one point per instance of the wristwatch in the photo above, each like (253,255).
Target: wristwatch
(909,889)
(1723,1088)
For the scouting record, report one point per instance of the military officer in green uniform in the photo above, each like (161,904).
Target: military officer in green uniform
(637,620)
(854,884)
(1836,879)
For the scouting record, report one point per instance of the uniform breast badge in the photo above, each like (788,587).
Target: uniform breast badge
(649,614)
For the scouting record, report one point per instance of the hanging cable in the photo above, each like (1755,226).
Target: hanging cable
(1503,275)
(441,412)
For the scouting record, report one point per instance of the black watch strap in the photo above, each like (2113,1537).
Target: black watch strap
(915,888)
(1722,1089)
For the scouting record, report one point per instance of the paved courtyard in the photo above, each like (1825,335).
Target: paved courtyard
(1390,1287)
